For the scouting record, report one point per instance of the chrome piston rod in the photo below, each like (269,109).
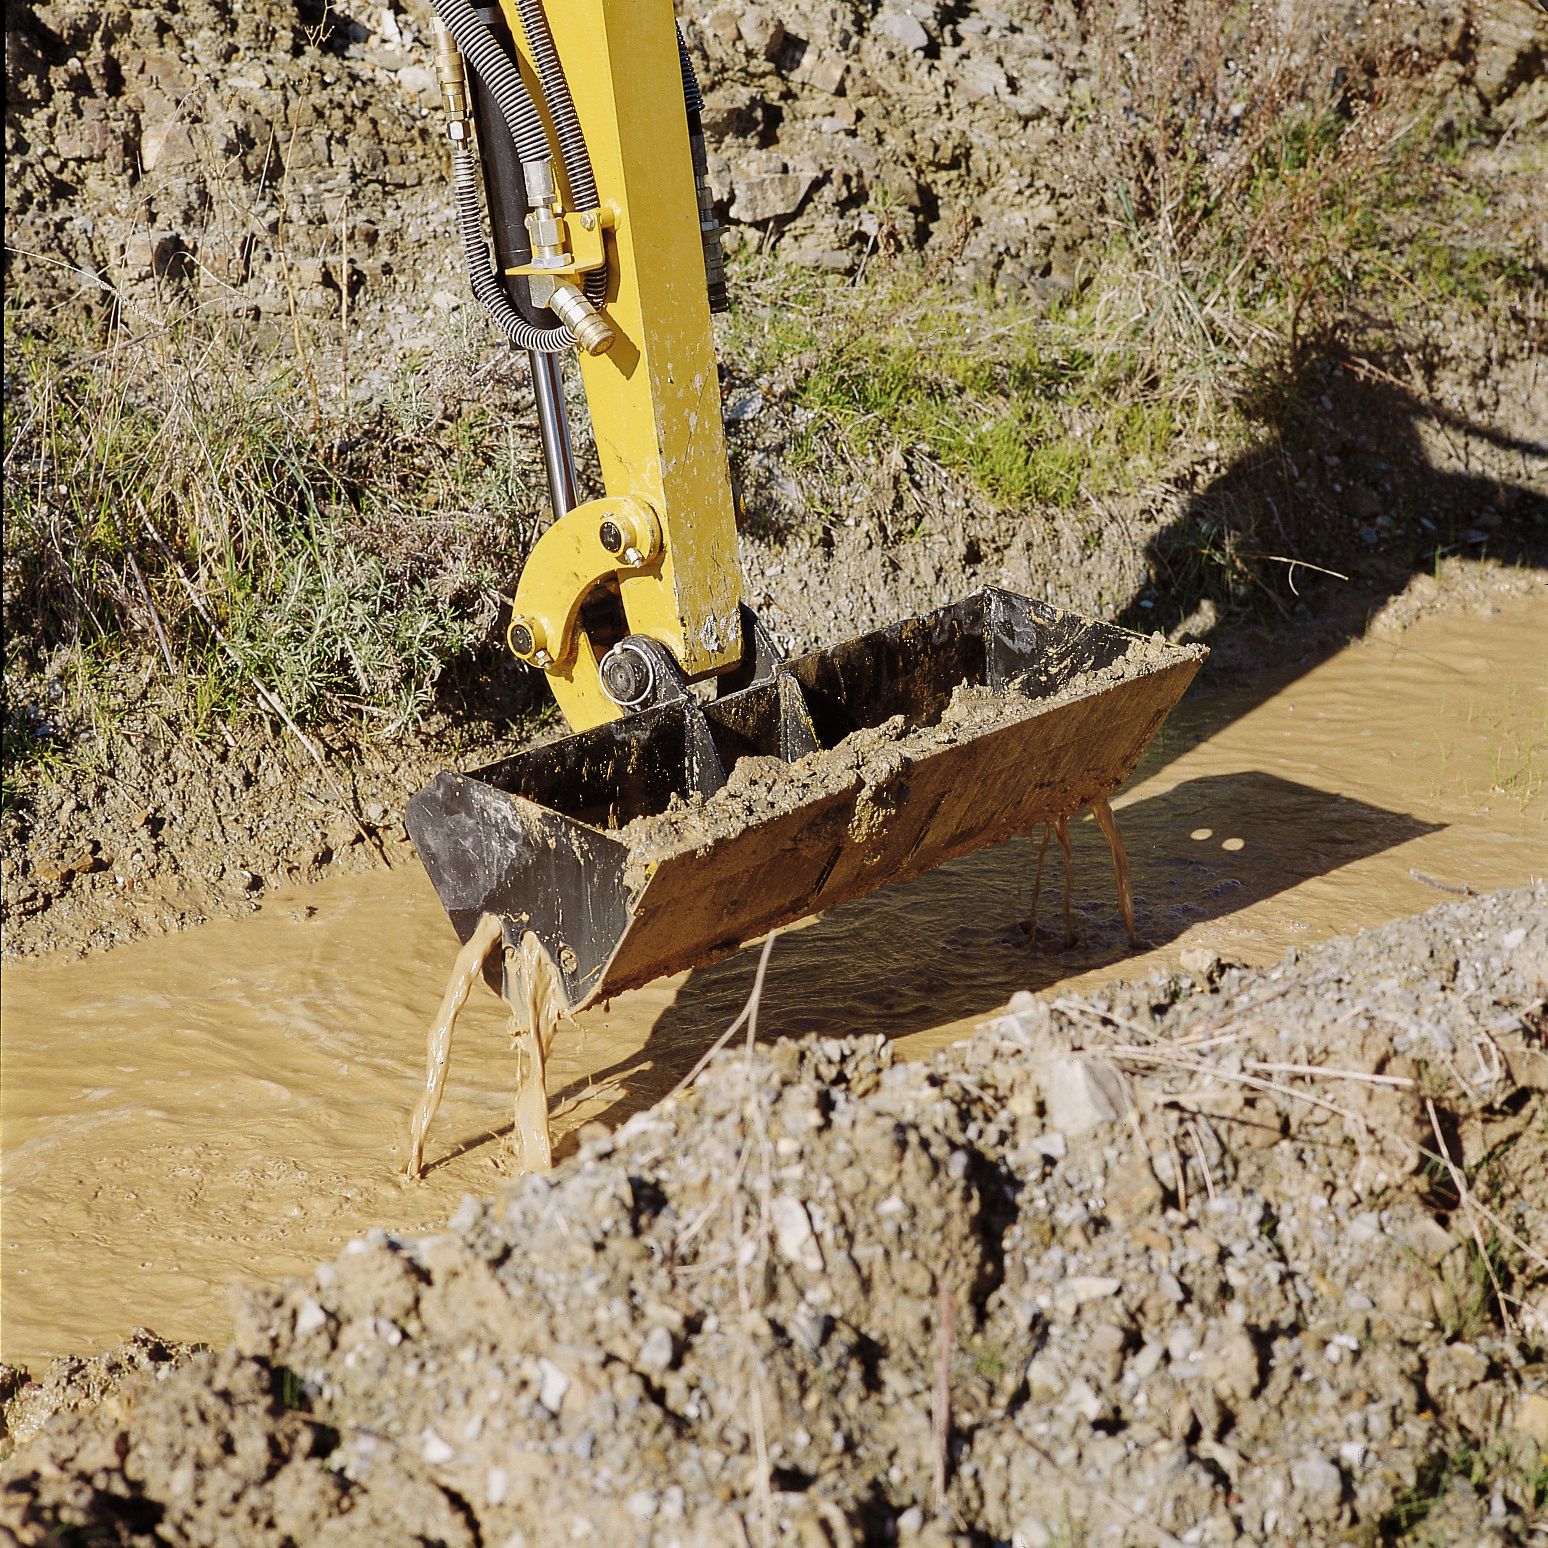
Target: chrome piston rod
(554,428)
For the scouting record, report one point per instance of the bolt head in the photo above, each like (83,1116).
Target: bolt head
(610,535)
(520,638)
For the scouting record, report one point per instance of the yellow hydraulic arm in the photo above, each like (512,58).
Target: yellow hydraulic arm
(661,542)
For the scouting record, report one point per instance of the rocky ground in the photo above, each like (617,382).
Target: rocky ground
(1232,1255)
(270,160)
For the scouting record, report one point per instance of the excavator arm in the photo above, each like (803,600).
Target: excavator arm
(654,558)
(671,826)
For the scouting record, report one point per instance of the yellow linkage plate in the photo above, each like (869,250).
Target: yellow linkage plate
(655,395)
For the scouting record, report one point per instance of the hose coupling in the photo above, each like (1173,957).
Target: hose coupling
(452,72)
(709,228)
(593,332)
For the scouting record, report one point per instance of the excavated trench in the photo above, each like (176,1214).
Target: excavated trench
(236,1101)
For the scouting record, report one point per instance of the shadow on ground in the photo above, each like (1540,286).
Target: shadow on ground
(1342,483)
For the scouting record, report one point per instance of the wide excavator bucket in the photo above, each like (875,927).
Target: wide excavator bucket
(664,840)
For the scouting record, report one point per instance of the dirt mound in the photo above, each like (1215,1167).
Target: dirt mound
(1191,1262)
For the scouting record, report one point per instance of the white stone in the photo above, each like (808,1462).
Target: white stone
(656,1350)
(435,1449)
(552,1386)
(1320,1482)
(309,1317)
(793,1233)
(1084,1092)
(904,30)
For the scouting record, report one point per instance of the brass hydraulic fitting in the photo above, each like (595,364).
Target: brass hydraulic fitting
(593,332)
(452,72)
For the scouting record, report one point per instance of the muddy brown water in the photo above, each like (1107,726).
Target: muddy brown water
(236,1101)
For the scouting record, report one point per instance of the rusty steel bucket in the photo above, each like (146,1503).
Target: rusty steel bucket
(623,848)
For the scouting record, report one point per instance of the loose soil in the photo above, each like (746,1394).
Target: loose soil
(759,789)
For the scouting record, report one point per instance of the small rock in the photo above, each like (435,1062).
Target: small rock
(418,81)
(656,1351)
(1456,1368)
(904,30)
(552,1386)
(309,1317)
(1530,1417)
(762,31)
(436,1450)
(1083,1092)
(746,407)
(793,1233)
(1132,1191)
(1320,1482)
(1427,1237)
(1201,963)
(167,144)
(1079,1289)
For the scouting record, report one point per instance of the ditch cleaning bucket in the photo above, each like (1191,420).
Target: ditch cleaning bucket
(665,840)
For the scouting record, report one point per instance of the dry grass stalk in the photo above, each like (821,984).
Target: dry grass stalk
(1459,1182)
(1360,1125)
(940,1404)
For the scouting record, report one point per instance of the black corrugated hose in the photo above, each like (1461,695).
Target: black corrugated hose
(487,285)
(503,80)
(567,129)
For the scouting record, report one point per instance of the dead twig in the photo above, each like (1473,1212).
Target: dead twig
(940,1405)
(747,1017)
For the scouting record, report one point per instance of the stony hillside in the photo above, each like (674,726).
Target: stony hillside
(264,160)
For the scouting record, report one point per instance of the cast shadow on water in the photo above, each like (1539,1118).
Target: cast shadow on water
(952,946)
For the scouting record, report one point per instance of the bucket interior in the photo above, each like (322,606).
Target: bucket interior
(631,768)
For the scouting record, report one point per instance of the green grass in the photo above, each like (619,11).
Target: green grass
(172,501)
(1016,401)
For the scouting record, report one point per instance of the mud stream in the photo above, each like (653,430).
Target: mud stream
(237,1101)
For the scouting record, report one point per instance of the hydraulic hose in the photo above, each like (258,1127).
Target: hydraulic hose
(693,98)
(709,227)
(487,286)
(495,68)
(567,130)
(502,79)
